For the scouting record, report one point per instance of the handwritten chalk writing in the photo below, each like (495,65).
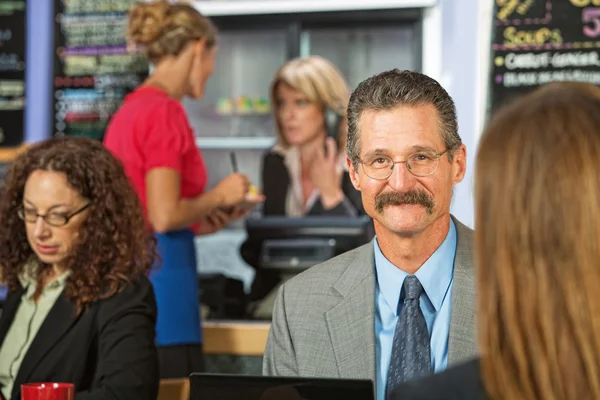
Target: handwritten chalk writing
(524,79)
(9,7)
(515,37)
(578,59)
(97,105)
(108,64)
(507,9)
(585,3)
(97,67)
(79,65)
(590,17)
(75,6)
(90,94)
(126,81)
(10,62)
(94,30)
(67,81)
(70,19)
(81,94)
(12,104)
(524,7)
(512,79)
(92,116)
(5,35)
(12,88)
(514,61)
(88,125)
(96,50)
(527,60)
(522,18)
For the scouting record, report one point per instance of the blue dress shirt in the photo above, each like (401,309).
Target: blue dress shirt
(436,276)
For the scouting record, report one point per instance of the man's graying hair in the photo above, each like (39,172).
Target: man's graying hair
(394,88)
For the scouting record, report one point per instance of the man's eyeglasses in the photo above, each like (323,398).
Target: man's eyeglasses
(422,163)
(53,218)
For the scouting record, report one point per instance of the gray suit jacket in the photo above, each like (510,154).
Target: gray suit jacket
(324,318)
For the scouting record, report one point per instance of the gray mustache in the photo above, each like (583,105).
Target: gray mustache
(410,197)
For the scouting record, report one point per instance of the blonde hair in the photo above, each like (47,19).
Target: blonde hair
(317,79)
(538,246)
(163,29)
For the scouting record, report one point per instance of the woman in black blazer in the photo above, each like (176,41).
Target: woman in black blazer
(75,253)
(537,250)
(305,173)
(277,185)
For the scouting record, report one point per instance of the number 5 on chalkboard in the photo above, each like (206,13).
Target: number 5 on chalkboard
(591,15)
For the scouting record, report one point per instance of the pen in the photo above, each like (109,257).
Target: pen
(233,160)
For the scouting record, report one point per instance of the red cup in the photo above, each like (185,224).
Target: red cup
(48,391)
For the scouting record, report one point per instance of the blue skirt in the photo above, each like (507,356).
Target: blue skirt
(175,285)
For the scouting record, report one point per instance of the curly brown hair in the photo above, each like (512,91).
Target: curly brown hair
(116,244)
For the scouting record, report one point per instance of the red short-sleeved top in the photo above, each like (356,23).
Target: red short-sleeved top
(151,130)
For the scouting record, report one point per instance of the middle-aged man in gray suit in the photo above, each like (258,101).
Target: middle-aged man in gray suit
(402,306)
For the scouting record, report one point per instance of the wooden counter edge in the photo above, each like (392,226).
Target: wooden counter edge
(236,337)
(10,153)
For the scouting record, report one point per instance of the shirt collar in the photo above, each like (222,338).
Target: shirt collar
(28,279)
(435,274)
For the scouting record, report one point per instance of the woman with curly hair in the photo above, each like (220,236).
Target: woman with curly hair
(74,252)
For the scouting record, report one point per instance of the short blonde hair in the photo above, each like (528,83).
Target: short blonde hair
(317,79)
(163,29)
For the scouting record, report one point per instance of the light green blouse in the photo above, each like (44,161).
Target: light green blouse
(28,319)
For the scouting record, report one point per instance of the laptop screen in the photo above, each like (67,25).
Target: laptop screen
(230,387)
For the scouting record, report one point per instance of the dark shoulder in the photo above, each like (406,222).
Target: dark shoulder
(273,158)
(274,169)
(459,382)
(136,295)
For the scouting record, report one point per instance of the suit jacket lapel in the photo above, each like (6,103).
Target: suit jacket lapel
(58,321)
(351,323)
(462,344)
(9,311)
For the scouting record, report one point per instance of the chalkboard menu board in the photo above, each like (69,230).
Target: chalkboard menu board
(12,72)
(93,68)
(541,41)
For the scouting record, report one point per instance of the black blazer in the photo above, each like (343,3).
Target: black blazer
(108,352)
(461,382)
(276,183)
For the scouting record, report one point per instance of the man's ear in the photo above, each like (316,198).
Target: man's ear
(353,174)
(459,164)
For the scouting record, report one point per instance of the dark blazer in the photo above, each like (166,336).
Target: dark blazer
(461,382)
(107,352)
(276,183)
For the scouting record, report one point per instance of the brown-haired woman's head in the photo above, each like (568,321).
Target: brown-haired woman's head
(301,91)
(67,205)
(538,246)
(177,33)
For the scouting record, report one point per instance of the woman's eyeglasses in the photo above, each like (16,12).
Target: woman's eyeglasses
(53,218)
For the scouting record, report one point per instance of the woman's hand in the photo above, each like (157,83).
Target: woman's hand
(233,189)
(326,174)
(213,222)
(219,219)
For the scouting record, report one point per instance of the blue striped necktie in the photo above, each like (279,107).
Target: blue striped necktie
(411,354)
